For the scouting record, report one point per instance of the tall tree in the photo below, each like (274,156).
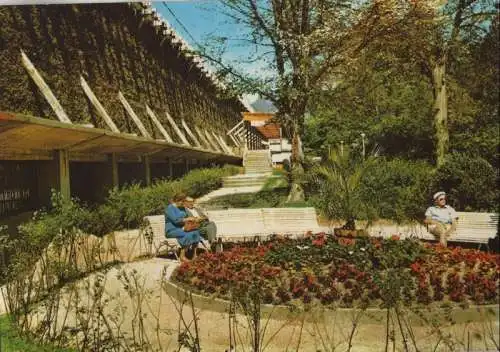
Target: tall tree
(439,35)
(302,46)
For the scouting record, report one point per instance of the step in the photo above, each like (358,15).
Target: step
(253,170)
(247,184)
(256,163)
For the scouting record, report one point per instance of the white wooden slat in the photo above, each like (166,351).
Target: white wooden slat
(219,144)
(228,148)
(473,227)
(203,138)
(44,88)
(212,142)
(97,105)
(241,224)
(133,115)
(158,125)
(176,129)
(190,133)
(234,140)
(223,144)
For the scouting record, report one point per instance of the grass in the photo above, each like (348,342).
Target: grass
(12,341)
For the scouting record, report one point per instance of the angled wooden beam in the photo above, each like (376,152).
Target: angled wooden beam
(177,129)
(208,146)
(212,142)
(217,139)
(133,115)
(190,133)
(97,105)
(205,139)
(236,126)
(223,143)
(44,88)
(234,140)
(158,125)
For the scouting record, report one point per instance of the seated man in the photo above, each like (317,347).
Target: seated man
(207,228)
(441,218)
(178,224)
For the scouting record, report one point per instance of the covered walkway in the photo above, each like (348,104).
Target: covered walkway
(38,154)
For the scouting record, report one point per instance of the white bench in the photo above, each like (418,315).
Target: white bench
(472,228)
(293,221)
(238,224)
(244,224)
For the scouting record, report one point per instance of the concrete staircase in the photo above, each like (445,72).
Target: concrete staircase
(257,162)
(257,170)
(246,180)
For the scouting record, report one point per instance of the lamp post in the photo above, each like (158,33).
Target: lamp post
(363,143)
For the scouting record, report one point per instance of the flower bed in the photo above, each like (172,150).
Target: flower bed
(346,272)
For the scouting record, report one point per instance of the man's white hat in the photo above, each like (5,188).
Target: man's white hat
(438,194)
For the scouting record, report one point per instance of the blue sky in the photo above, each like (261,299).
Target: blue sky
(201,18)
(197,20)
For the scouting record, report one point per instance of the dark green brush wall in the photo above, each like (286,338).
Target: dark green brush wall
(115,48)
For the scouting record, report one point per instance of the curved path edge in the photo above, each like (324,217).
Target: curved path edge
(370,315)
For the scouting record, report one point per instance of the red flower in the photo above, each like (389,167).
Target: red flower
(395,237)
(320,240)
(347,241)
(415,267)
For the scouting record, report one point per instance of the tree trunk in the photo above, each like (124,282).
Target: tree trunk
(440,112)
(296,191)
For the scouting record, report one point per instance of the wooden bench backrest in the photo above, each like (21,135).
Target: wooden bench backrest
(249,222)
(474,227)
(281,220)
(239,222)
(157,223)
(487,220)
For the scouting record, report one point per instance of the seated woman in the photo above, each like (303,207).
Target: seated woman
(178,224)
(208,229)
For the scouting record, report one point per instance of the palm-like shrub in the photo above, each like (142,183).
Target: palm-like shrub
(337,182)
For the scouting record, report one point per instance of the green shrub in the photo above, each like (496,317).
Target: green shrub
(201,181)
(11,339)
(126,207)
(397,189)
(469,181)
(65,216)
(263,199)
(336,187)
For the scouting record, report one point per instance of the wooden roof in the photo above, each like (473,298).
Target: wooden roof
(270,130)
(32,138)
(257,116)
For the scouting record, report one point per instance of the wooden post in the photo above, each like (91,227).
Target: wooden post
(158,125)
(62,160)
(133,115)
(97,105)
(170,168)
(113,160)
(147,169)
(187,165)
(44,88)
